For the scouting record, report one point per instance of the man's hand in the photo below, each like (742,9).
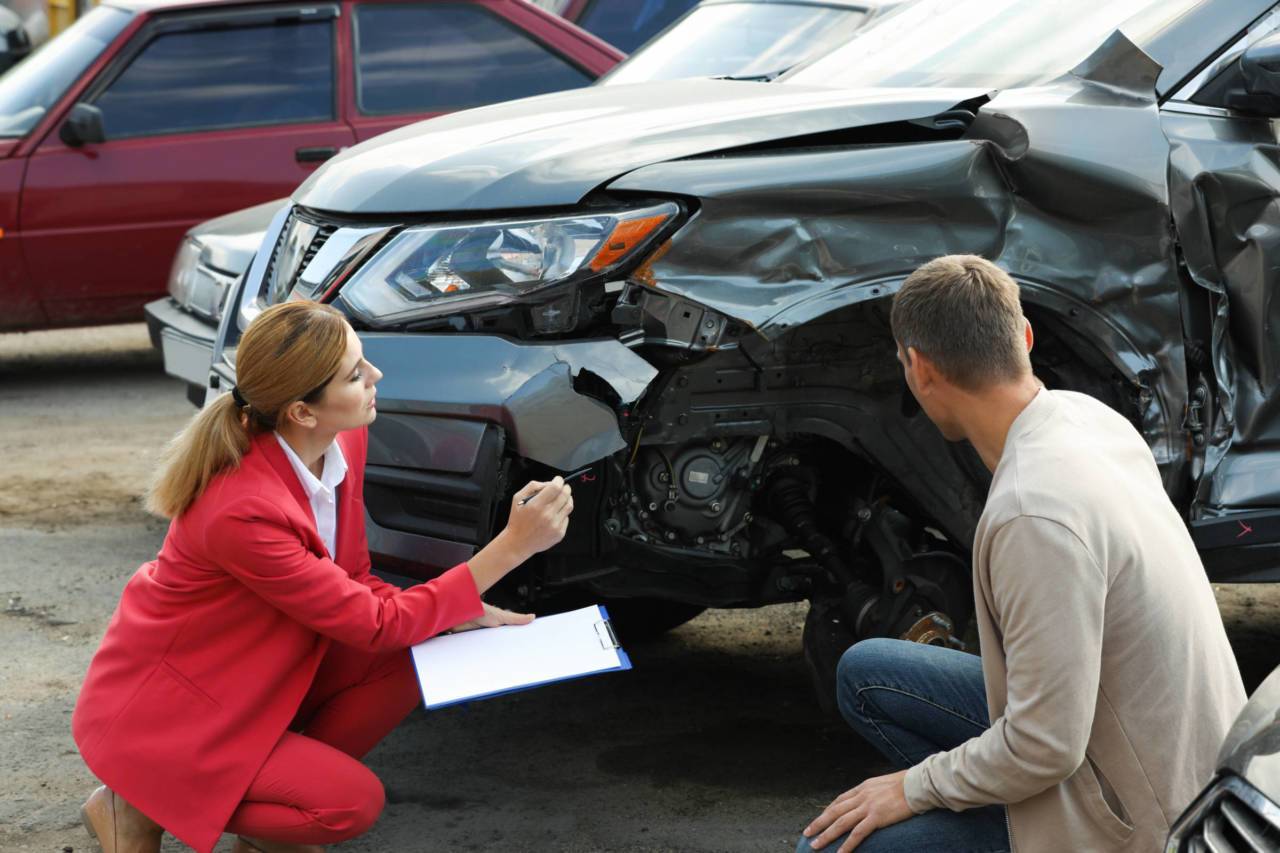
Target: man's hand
(877,802)
(492,618)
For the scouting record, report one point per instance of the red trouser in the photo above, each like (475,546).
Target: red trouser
(313,788)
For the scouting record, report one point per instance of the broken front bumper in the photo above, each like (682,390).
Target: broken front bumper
(453,410)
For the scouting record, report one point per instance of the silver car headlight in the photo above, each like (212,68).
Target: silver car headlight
(433,269)
(196,286)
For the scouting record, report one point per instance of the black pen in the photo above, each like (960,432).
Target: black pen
(567,478)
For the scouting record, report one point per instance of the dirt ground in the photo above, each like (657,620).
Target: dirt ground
(711,743)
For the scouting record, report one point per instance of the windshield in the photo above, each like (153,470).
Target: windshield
(739,40)
(28,89)
(993,44)
(627,24)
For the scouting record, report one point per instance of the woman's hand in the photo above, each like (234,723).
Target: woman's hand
(493,617)
(539,518)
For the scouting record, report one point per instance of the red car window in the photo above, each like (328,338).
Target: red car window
(210,79)
(445,56)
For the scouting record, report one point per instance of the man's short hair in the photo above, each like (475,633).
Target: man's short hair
(963,312)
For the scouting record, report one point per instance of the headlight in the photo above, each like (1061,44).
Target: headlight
(182,274)
(197,287)
(435,269)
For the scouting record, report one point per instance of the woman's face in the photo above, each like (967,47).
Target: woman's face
(348,399)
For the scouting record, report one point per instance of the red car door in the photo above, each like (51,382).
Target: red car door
(205,112)
(412,60)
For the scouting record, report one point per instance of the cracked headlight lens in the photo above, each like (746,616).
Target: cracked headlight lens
(435,269)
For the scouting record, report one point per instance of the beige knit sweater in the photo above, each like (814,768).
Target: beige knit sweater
(1109,680)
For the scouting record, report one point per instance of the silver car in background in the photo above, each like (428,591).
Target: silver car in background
(210,259)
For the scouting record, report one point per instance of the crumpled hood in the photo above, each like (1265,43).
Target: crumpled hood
(552,150)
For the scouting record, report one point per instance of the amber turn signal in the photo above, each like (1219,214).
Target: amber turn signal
(626,236)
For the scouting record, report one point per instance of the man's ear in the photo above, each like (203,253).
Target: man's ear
(923,371)
(299,413)
(1030,337)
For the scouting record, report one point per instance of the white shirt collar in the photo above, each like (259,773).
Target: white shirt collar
(335,470)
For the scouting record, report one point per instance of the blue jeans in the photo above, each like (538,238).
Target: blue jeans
(910,701)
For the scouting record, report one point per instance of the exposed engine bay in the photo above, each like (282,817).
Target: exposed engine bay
(876,574)
(892,578)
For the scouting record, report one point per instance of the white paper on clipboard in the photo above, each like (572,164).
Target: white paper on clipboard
(488,662)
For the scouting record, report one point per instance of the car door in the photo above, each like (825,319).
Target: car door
(1224,186)
(414,60)
(204,113)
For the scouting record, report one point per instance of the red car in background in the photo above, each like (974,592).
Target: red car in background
(149,116)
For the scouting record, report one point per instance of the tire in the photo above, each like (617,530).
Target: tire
(826,638)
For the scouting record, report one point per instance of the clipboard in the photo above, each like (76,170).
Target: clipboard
(487,662)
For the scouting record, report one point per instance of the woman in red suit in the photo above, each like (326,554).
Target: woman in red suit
(248,667)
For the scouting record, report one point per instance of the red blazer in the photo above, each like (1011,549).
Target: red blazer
(214,643)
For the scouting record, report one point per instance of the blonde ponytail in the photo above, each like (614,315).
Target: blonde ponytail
(288,353)
(212,442)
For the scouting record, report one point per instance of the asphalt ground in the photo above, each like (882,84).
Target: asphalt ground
(711,743)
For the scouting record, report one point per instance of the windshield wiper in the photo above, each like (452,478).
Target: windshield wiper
(767,77)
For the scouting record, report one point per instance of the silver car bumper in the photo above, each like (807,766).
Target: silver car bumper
(185,340)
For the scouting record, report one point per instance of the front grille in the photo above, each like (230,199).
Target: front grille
(301,238)
(322,236)
(275,250)
(1231,816)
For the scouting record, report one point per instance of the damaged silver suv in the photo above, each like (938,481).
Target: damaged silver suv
(684,287)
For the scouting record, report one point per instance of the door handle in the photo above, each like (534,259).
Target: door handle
(318,154)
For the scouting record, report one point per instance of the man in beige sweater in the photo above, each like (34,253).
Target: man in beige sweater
(1106,683)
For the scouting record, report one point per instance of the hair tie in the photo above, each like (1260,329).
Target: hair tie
(238,397)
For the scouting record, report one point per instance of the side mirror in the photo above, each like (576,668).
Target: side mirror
(83,125)
(1257,91)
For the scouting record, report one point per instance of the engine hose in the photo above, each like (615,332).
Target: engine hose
(790,505)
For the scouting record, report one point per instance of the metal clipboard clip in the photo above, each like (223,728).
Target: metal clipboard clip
(604,633)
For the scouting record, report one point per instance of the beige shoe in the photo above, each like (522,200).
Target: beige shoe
(117,826)
(256,845)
